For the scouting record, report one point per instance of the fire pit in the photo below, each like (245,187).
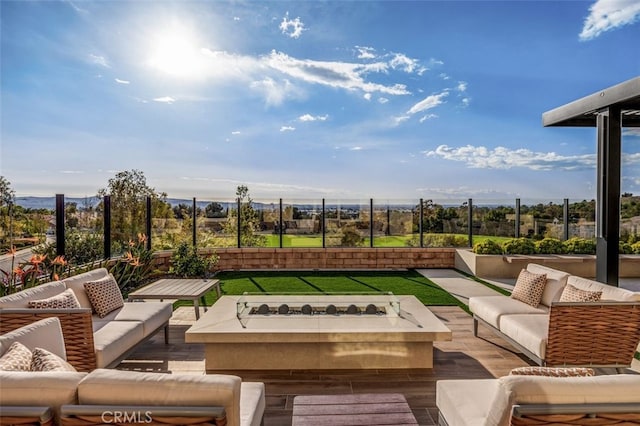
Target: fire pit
(303,331)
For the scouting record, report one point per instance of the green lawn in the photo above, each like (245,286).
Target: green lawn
(288,240)
(397,282)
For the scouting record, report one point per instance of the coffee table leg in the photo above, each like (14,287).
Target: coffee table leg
(196,306)
(204,303)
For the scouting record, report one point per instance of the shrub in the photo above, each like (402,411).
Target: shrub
(487,247)
(549,246)
(636,247)
(186,262)
(580,246)
(519,246)
(135,267)
(625,248)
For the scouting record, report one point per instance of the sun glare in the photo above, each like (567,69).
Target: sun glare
(176,52)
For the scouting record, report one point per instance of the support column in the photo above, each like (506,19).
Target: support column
(60,237)
(608,195)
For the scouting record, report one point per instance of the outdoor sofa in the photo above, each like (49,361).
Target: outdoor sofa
(519,400)
(60,395)
(544,321)
(100,330)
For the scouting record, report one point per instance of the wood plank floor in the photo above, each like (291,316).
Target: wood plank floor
(464,357)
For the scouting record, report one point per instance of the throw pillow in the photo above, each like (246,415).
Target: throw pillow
(553,372)
(16,358)
(65,300)
(574,294)
(43,360)
(529,287)
(104,295)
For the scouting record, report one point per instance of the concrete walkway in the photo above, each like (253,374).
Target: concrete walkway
(459,285)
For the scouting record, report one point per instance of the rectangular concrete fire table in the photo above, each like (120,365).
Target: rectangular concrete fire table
(284,332)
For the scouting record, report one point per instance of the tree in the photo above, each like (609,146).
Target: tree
(7,201)
(214,210)
(249,221)
(128,191)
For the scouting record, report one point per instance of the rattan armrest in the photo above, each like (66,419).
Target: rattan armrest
(77,330)
(25,415)
(595,334)
(77,415)
(572,414)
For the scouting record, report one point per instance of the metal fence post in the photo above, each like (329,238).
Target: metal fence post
(517,230)
(148,223)
(194,217)
(470,219)
(421,210)
(370,222)
(60,237)
(280,222)
(565,218)
(107,226)
(323,222)
(238,224)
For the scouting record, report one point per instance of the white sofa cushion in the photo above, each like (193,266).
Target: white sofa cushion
(21,299)
(556,280)
(115,387)
(50,388)
(470,402)
(492,308)
(252,403)
(530,331)
(609,292)
(115,338)
(76,283)
(45,333)
(152,314)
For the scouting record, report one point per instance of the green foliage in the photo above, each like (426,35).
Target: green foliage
(249,221)
(438,240)
(80,247)
(351,238)
(135,267)
(36,270)
(549,246)
(186,262)
(487,247)
(519,246)
(580,246)
(636,247)
(625,248)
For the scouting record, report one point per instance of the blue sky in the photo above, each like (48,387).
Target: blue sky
(297,100)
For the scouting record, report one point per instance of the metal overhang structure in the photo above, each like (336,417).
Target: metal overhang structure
(609,110)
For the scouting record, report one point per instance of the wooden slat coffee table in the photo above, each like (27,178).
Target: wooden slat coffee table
(178,289)
(352,409)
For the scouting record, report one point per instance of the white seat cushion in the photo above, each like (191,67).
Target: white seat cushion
(492,308)
(609,292)
(114,339)
(530,331)
(21,299)
(49,388)
(152,315)
(45,333)
(115,387)
(252,403)
(76,283)
(556,280)
(470,402)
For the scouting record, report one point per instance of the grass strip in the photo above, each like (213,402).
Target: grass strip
(491,286)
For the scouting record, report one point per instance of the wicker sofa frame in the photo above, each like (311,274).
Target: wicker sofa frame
(586,334)
(575,414)
(77,329)
(90,415)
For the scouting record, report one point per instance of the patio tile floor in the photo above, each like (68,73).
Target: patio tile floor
(462,358)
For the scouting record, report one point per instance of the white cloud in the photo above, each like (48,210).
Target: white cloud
(342,75)
(401,119)
(466,102)
(309,117)
(383,100)
(287,129)
(607,15)
(292,27)
(366,52)
(631,132)
(444,76)
(165,100)
(462,193)
(429,102)
(462,86)
(409,65)
(506,158)
(356,148)
(122,81)
(99,60)
(428,117)
(367,96)
(235,132)
(275,92)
